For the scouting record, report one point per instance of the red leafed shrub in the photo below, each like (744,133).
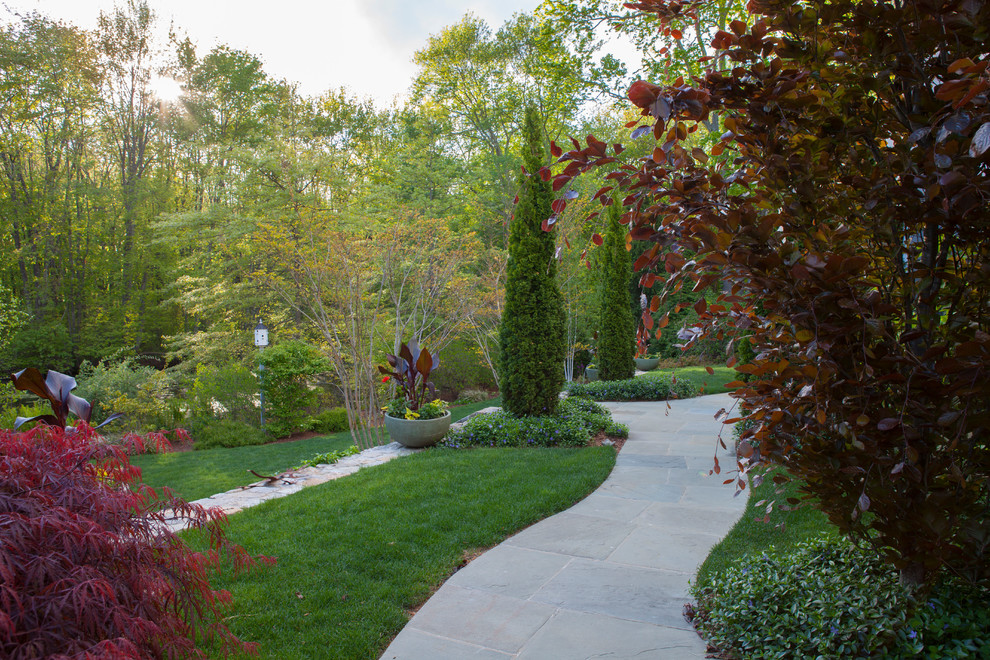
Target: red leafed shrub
(841,205)
(88,568)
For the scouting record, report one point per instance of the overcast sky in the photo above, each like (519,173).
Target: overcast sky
(364,45)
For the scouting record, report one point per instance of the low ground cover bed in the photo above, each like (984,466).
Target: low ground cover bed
(659,387)
(356,555)
(577,421)
(793,587)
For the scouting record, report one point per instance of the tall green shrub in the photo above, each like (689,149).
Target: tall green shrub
(289,399)
(616,324)
(531,335)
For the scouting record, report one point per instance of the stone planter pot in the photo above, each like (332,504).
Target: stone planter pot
(591,373)
(417,433)
(647,364)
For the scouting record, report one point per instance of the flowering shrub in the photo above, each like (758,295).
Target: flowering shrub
(89,569)
(654,388)
(401,409)
(576,421)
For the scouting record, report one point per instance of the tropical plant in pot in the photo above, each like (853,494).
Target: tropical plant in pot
(416,417)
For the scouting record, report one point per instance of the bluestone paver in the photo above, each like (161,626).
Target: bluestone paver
(609,577)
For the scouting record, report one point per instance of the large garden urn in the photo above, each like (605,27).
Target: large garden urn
(647,363)
(417,433)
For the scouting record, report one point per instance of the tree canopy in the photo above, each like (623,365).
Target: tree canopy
(842,212)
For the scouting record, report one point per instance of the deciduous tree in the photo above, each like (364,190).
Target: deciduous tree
(849,234)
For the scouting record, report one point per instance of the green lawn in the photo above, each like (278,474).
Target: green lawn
(700,378)
(750,535)
(356,554)
(199,474)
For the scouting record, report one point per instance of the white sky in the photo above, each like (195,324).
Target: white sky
(364,45)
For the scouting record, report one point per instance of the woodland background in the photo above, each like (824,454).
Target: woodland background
(143,233)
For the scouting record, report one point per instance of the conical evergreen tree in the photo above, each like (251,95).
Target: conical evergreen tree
(617,325)
(531,335)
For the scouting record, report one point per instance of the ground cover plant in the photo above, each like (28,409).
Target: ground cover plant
(199,474)
(785,583)
(356,555)
(841,210)
(575,423)
(659,387)
(829,598)
(329,458)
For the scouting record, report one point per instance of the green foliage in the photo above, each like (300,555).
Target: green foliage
(472,396)
(12,317)
(329,458)
(208,433)
(45,344)
(147,397)
(464,369)
(399,408)
(532,332)
(831,599)
(574,424)
(9,415)
(769,521)
(288,369)
(229,392)
(616,324)
(653,388)
(333,420)
(745,355)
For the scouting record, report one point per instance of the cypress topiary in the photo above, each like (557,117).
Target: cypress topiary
(617,325)
(531,335)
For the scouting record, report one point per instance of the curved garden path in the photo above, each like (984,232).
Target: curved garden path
(607,578)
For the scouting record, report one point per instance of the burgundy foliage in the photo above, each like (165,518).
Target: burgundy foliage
(56,389)
(411,370)
(88,568)
(845,210)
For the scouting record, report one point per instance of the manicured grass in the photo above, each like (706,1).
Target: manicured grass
(356,554)
(751,535)
(700,378)
(198,474)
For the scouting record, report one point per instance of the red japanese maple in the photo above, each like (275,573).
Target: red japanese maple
(88,568)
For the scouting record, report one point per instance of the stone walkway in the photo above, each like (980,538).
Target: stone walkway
(287,483)
(607,578)
(292,481)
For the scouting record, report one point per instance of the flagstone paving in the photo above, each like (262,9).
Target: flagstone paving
(292,481)
(607,578)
